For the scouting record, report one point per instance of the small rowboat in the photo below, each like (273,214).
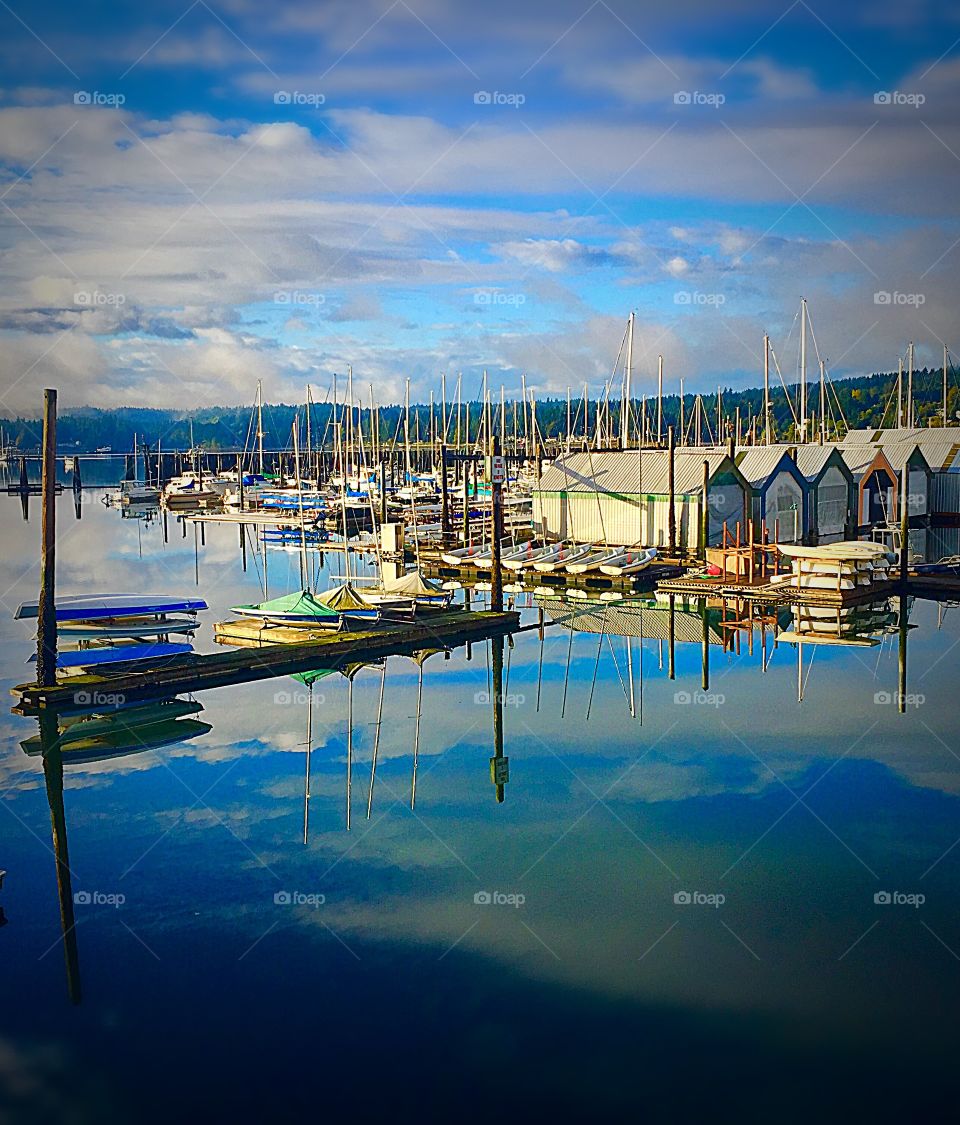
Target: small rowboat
(462,555)
(629,562)
(594,560)
(524,557)
(561,555)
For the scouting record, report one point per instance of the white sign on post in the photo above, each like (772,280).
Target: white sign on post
(498,470)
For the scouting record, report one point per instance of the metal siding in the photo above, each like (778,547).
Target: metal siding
(917,487)
(946,493)
(784,503)
(833,502)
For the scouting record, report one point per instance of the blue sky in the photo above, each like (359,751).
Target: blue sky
(197,196)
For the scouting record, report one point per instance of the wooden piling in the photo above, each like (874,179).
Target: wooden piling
(496,512)
(444,498)
(46,612)
(671,490)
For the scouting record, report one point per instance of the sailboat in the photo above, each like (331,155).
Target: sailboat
(414,585)
(302,608)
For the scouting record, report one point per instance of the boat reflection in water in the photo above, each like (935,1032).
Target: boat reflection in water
(96,735)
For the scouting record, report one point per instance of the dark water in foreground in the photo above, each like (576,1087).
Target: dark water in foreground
(228,971)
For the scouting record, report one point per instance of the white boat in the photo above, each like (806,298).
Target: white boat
(423,591)
(460,555)
(594,560)
(133,492)
(629,562)
(561,554)
(525,556)
(191,488)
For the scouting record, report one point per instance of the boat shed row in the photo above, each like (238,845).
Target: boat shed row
(799,493)
(933,456)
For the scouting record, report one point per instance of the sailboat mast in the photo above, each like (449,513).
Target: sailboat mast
(823,405)
(406,446)
(910,384)
(766,389)
(260,425)
(899,392)
(304,581)
(944,384)
(627,389)
(659,399)
(309,444)
(803,369)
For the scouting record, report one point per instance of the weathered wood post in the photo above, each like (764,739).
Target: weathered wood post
(444,498)
(497,474)
(671,492)
(904,527)
(46,611)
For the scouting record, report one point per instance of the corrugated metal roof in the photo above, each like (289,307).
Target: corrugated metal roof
(940,447)
(899,452)
(859,437)
(859,457)
(759,462)
(632,472)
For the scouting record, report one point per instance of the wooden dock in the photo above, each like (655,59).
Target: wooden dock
(199,672)
(702,586)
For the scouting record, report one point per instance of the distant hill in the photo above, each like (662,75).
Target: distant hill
(863,401)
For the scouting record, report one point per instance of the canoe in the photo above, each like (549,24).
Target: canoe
(90,607)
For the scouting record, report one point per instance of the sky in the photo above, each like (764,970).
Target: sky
(197,196)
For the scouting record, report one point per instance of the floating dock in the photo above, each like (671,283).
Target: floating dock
(703,586)
(199,672)
(531,579)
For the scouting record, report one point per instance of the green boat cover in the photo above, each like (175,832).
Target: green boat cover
(302,604)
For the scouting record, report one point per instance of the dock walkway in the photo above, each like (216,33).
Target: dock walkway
(199,672)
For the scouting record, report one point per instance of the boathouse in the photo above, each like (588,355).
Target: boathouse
(623,498)
(780,491)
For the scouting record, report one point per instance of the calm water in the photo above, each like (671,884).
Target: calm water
(228,970)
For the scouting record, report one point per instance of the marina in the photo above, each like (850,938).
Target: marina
(479,563)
